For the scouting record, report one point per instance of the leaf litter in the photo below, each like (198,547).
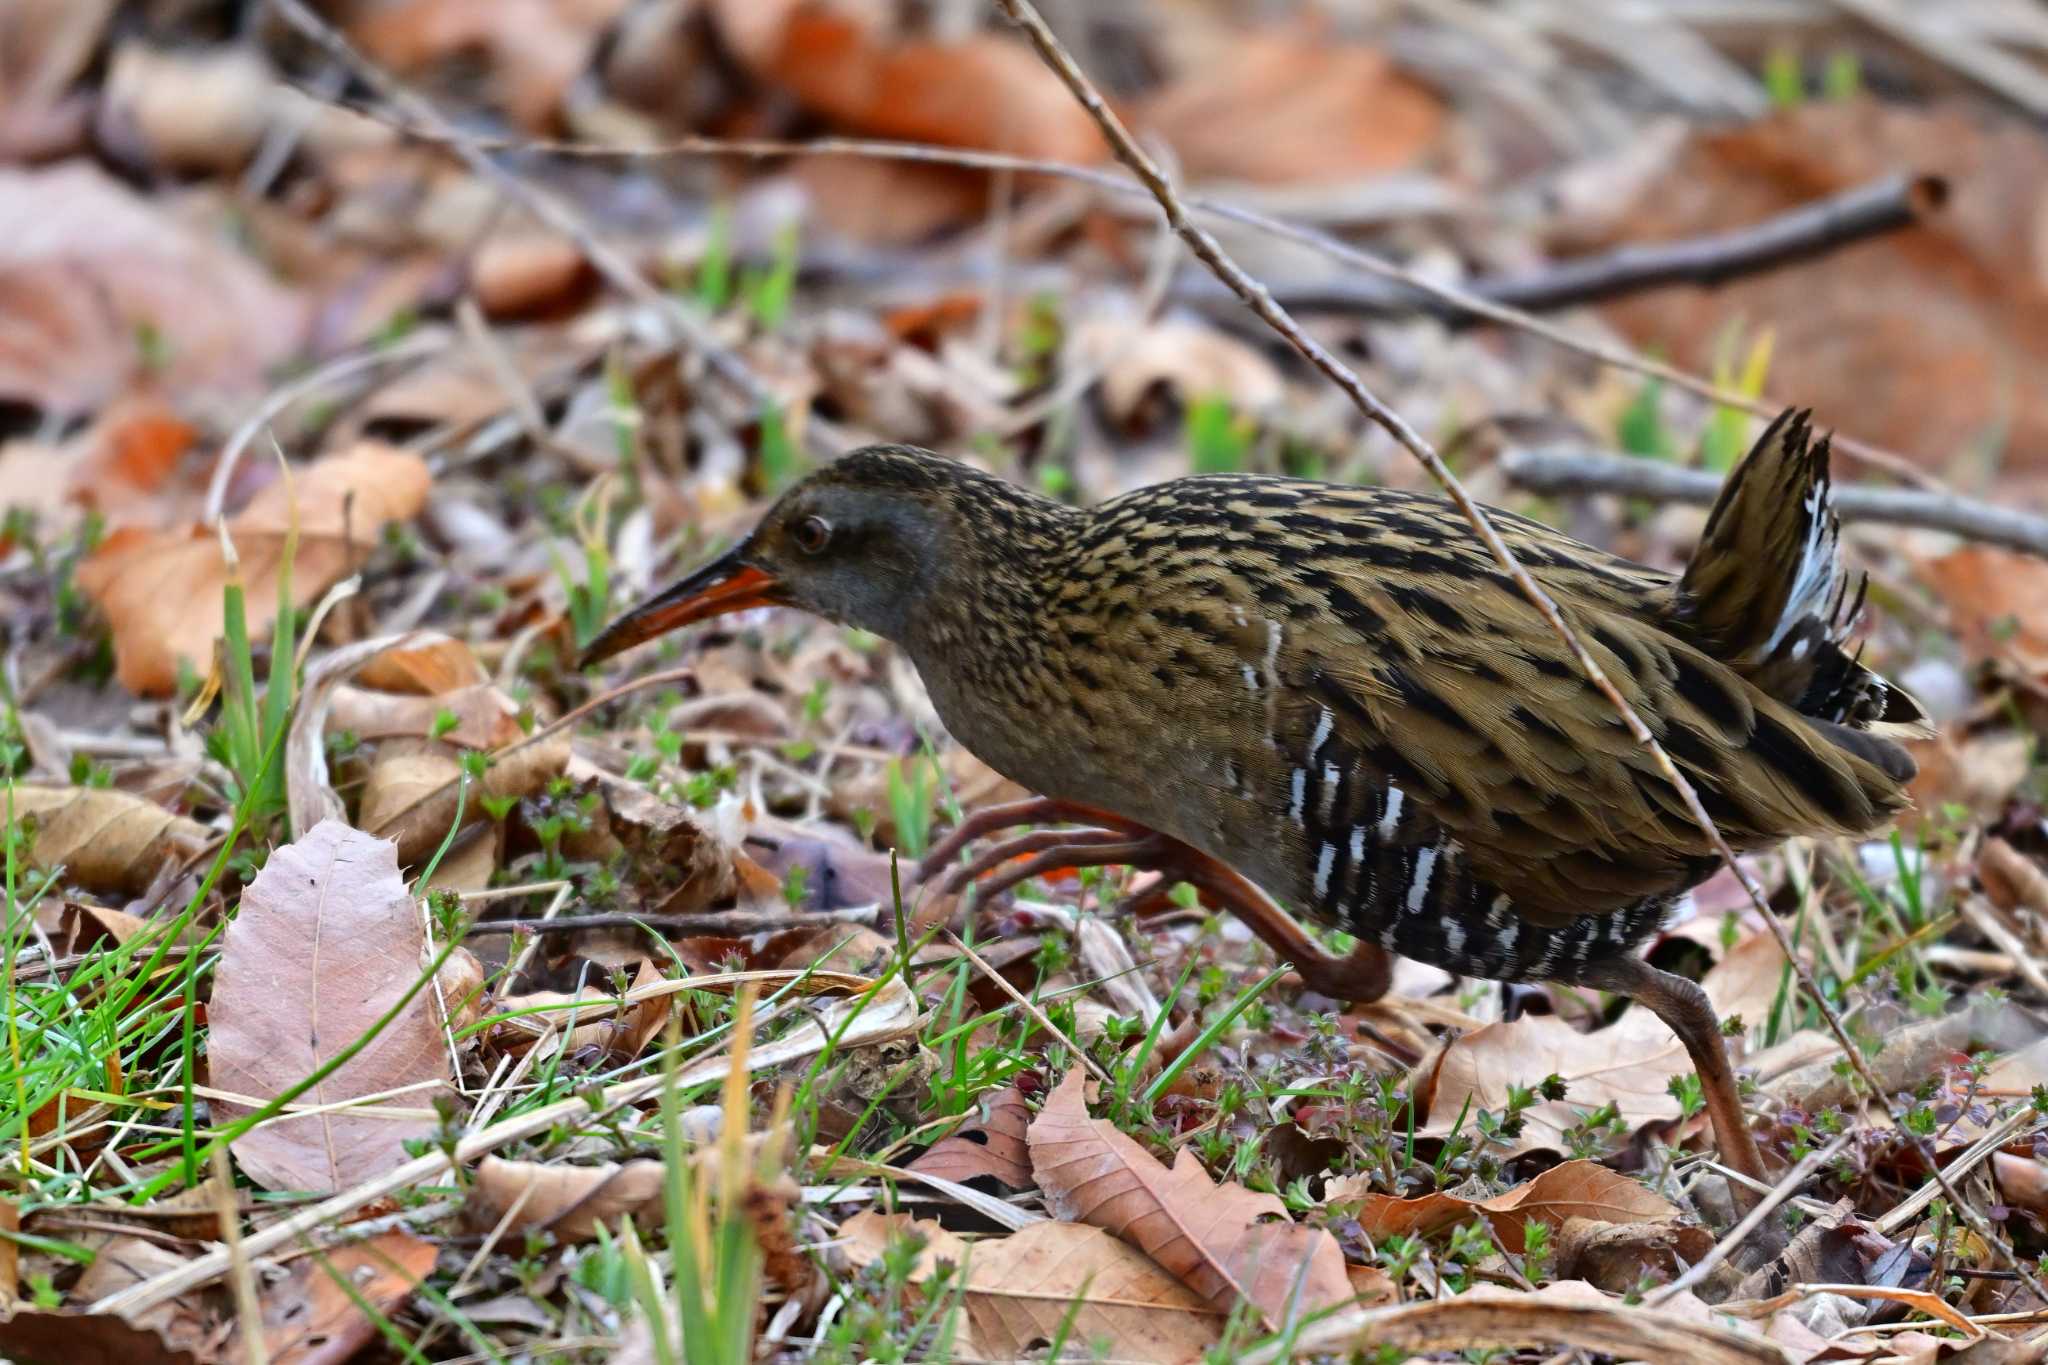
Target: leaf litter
(573,994)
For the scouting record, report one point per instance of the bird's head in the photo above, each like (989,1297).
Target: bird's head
(862,541)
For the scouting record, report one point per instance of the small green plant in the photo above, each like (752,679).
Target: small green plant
(782,464)
(1726,439)
(713,285)
(912,783)
(1784,80)
(1641,429)
(767,290)
(1219,439)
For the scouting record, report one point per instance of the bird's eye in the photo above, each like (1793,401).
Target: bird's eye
(812,535)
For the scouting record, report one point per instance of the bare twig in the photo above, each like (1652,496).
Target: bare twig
(1447,296)
(1787,1186)
(689,331)
(1795,235)
(1255,295)
(731,923)
(1561,471)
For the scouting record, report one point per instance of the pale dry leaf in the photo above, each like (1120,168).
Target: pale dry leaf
(1248,116)
(326,942)
(87,268)
(1619,1257)
(106,840)
(1746,982)
(120,1261)
(1189,358)
(1571,1189)
(535,49)
(309,795)
(74,929)
(990,1143)
(191,109)
(327,1308)
(1629,1063)
(1563,1313)
(1213,1237)
(161,591)
(2012,879)
(485,717)
(569,1202)
(1048,1279)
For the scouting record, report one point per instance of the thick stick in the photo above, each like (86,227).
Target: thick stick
(1565,472)
(1795,235)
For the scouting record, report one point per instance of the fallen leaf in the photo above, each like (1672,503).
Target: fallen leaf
(990,1143)
(1047,1281)
(1748,978)
(534,49)
(1242,117)
(2012,879)
(44,1337)
(1959,302)
(161,591)
(411,796)
(1209,1235)
(1628,1063)
(328,1307)
(121,1261)
(1185,356)
(1619,1257)
(985,90)
(1572,1189)
(89,270)
(326,942)
(427,667)
(106,840)
(75,929)
(1997,600)
(569,1202)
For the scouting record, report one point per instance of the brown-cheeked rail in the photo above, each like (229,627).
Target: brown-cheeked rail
(1334,695)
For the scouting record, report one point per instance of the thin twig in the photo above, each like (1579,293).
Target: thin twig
(1260,301)
(1031,1008)
(1787,1186)
(1571,471)
(729,923)
(1714,258)
(1448,296)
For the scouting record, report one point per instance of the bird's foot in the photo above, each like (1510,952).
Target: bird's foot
(1362,975)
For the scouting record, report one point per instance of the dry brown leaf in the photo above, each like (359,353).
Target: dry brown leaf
(1747,979)
(570,1202)
(1566,1312)
(984,91)
(121,1261)
(535,49)
(161,590)
(37,1337)
(320,1314)
(1209,1235)
(106,840)
(2012,879)
(1959,304)
(1979,772)
(1997,600)
(434,664)
(87,267)
(1572,1189)
(1619,1257)
(1248,116)
(75,929)
(414,789)
(1047,1279)
(990,1143)
(326,942)
(1629,1063)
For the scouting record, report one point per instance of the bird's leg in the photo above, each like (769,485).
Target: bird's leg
(1363,975)
(1683,1006)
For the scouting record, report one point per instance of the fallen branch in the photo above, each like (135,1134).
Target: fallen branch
(1570,471)
(1798,234)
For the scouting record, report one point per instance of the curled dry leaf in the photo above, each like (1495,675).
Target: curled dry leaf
(75,929)
(1047,1280)
(1628,1063)
(1186,356)
(1209,1235)
(2012,879)
(991,1143)
(1573,1189)
(105,840)
(309,795)
(161,590)
(328,1307)
(416,799)
(426,666)
(87,267)
(326,942)
(571,1202)
(1618,1257)
(121,1261)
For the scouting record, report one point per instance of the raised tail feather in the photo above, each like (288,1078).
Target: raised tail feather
(1766,591)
